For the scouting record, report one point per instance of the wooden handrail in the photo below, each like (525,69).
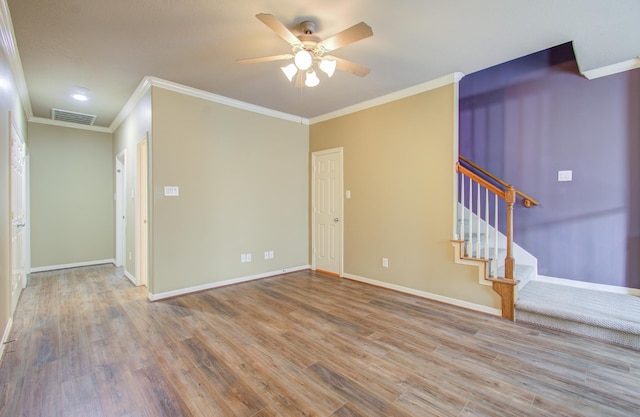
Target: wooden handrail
(527,201)
(477,178)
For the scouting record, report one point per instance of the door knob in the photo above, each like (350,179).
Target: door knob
(336,220)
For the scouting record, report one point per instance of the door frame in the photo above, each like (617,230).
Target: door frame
(15,133)
(314,156)
(27,239)
(121,208)
(142,211)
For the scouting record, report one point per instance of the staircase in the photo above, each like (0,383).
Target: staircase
(475,249)
(512,271)
(484,203)
(487,245)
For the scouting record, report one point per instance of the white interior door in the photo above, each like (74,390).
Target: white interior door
(18,216)
(327,211)
(120,208)
(142,212)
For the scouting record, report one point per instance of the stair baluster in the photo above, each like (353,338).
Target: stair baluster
(470,239)
(485,252)
(495,238)
(478,253)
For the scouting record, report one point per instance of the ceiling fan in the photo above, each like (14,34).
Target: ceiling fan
(308,49)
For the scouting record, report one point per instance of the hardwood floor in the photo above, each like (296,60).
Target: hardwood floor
(87,343)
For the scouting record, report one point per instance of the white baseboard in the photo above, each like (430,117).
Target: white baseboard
(183,291)
(5,336)
(428,295)
(133,279)
(74,265)
(588,285)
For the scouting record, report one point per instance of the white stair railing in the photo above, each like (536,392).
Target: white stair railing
(478,223)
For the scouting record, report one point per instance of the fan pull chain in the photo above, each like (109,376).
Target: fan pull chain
(301,102)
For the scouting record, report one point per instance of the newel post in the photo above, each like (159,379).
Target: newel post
(506,287)
(509,262)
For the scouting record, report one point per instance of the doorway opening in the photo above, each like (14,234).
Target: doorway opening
(121,208)
(18,206)
(142,211)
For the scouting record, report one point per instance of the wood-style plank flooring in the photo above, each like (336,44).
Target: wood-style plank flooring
(87,343)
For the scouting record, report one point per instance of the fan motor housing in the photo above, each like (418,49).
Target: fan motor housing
(307,27)
(309,41)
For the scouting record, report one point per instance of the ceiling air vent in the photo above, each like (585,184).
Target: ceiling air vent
(73,117)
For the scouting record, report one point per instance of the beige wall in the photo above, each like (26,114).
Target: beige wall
(135,127)
(9,103)
(399,166)
(72,215)
(243,180)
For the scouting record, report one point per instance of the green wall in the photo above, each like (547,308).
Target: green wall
(72,209)
(243,181)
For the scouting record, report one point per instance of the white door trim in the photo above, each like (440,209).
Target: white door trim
(142,211)
(314,156)
(28,214)
(18,212)
(121,207)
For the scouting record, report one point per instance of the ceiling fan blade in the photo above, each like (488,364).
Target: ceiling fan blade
(280,29)
(350,67)
(347,36)
(264,59)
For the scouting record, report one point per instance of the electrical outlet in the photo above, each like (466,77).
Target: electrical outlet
(248,255)
(271,256)
(385,262)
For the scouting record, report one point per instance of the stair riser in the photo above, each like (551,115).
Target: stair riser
(582,329)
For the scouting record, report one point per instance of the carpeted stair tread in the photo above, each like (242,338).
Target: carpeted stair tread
(605,310)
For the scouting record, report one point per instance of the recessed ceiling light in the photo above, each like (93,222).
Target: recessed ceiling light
(80,97)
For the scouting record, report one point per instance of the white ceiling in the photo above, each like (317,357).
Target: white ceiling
(108,46)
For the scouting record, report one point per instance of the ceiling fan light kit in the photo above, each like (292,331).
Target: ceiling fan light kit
(290,71)
(328,66)
(308,50)
(311,80)
(303,60)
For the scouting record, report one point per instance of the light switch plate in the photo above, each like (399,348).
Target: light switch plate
(171,191)
(565,175)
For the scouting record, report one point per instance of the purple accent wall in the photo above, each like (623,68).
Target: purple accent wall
(527,119)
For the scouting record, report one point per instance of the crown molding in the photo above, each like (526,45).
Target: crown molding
(398,95)
(612,69)
(138,94)
(43,121)
(205,95)
(148,82)
(10,46)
